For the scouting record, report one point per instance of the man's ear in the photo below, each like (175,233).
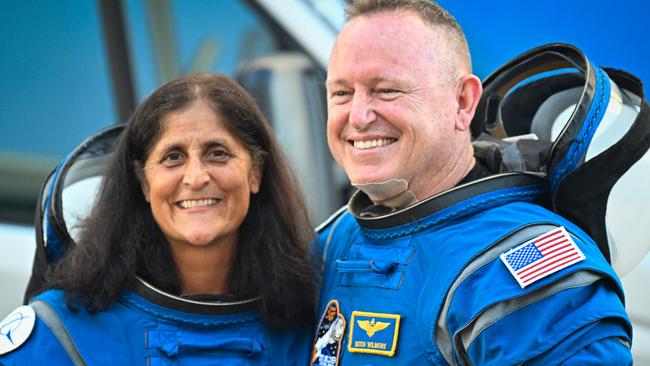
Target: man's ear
(144,185)
(468,95)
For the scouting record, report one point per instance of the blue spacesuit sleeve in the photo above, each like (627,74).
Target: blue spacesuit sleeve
(490,319)
(572,326)
(608,351)
(588,348)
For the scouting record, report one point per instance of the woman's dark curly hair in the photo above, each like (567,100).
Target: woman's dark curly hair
(121,239)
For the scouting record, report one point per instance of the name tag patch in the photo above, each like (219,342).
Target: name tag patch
(374,333)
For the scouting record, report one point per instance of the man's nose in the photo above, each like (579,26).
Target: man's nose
(362,111)
(196,174)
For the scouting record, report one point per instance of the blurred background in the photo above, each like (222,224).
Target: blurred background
(69,68)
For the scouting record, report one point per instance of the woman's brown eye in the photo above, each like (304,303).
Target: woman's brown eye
(173,158)
(219,155)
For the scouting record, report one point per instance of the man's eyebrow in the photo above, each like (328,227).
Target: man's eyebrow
(379,79)
(335,82)
(375,80)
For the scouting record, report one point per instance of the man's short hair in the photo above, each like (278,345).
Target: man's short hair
(428,10)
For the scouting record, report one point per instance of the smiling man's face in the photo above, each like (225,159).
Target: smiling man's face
(392,101)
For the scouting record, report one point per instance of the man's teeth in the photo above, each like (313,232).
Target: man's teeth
(196,203)
(367,144)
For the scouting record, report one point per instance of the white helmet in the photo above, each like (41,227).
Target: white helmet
(587,130)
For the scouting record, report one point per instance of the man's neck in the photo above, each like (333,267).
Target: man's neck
(448,177)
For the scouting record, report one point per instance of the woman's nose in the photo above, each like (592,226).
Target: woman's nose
(196,174)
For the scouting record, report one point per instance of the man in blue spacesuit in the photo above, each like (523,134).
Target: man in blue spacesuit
(438,258)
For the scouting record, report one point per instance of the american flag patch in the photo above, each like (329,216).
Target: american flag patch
(542,256)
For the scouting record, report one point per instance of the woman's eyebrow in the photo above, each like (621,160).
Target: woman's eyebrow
(170,147)
(208,144)
(214,143)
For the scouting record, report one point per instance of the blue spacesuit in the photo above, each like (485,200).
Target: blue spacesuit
(159,330)
(428,285)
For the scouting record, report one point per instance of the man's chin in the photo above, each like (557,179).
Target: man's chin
(370,177)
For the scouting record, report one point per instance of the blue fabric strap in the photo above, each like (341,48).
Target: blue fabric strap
(49,317)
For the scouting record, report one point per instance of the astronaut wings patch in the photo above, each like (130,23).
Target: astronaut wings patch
(542,256)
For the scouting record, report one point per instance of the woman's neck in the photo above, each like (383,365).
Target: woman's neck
(204,269)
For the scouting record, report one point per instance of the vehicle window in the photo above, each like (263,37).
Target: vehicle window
(330,10)
(59,88)
(55,91)
(173,38)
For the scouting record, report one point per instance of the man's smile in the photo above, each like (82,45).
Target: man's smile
(368,144)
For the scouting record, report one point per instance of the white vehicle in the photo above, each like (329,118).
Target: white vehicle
(106,56)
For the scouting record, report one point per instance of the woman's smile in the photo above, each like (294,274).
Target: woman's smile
(198,179)
(197,203)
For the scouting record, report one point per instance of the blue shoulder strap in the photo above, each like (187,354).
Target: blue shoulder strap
(52,320)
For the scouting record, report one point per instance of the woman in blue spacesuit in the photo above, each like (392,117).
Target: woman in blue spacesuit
(195,252)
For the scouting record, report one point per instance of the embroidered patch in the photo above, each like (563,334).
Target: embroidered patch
(329,335)
(374,333)
(16,328)
(542,256)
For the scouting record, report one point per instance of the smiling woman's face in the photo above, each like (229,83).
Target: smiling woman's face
(198,179)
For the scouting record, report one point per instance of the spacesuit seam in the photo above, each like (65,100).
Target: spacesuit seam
(585,321)
(590,126)
(504,241)
(184,320)
(565,356)
(529,192)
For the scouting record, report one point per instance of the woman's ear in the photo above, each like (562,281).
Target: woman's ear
(144,185)
(468,96)
(255,175)
(255,178)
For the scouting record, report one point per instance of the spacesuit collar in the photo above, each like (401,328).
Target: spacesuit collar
(371,216)
(167,300)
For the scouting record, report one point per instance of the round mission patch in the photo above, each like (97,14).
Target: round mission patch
(16,328)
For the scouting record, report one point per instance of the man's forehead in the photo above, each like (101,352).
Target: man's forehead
(401,33)
(386,22)
(388,43)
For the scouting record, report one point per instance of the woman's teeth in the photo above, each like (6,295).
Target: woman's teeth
(197,203)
